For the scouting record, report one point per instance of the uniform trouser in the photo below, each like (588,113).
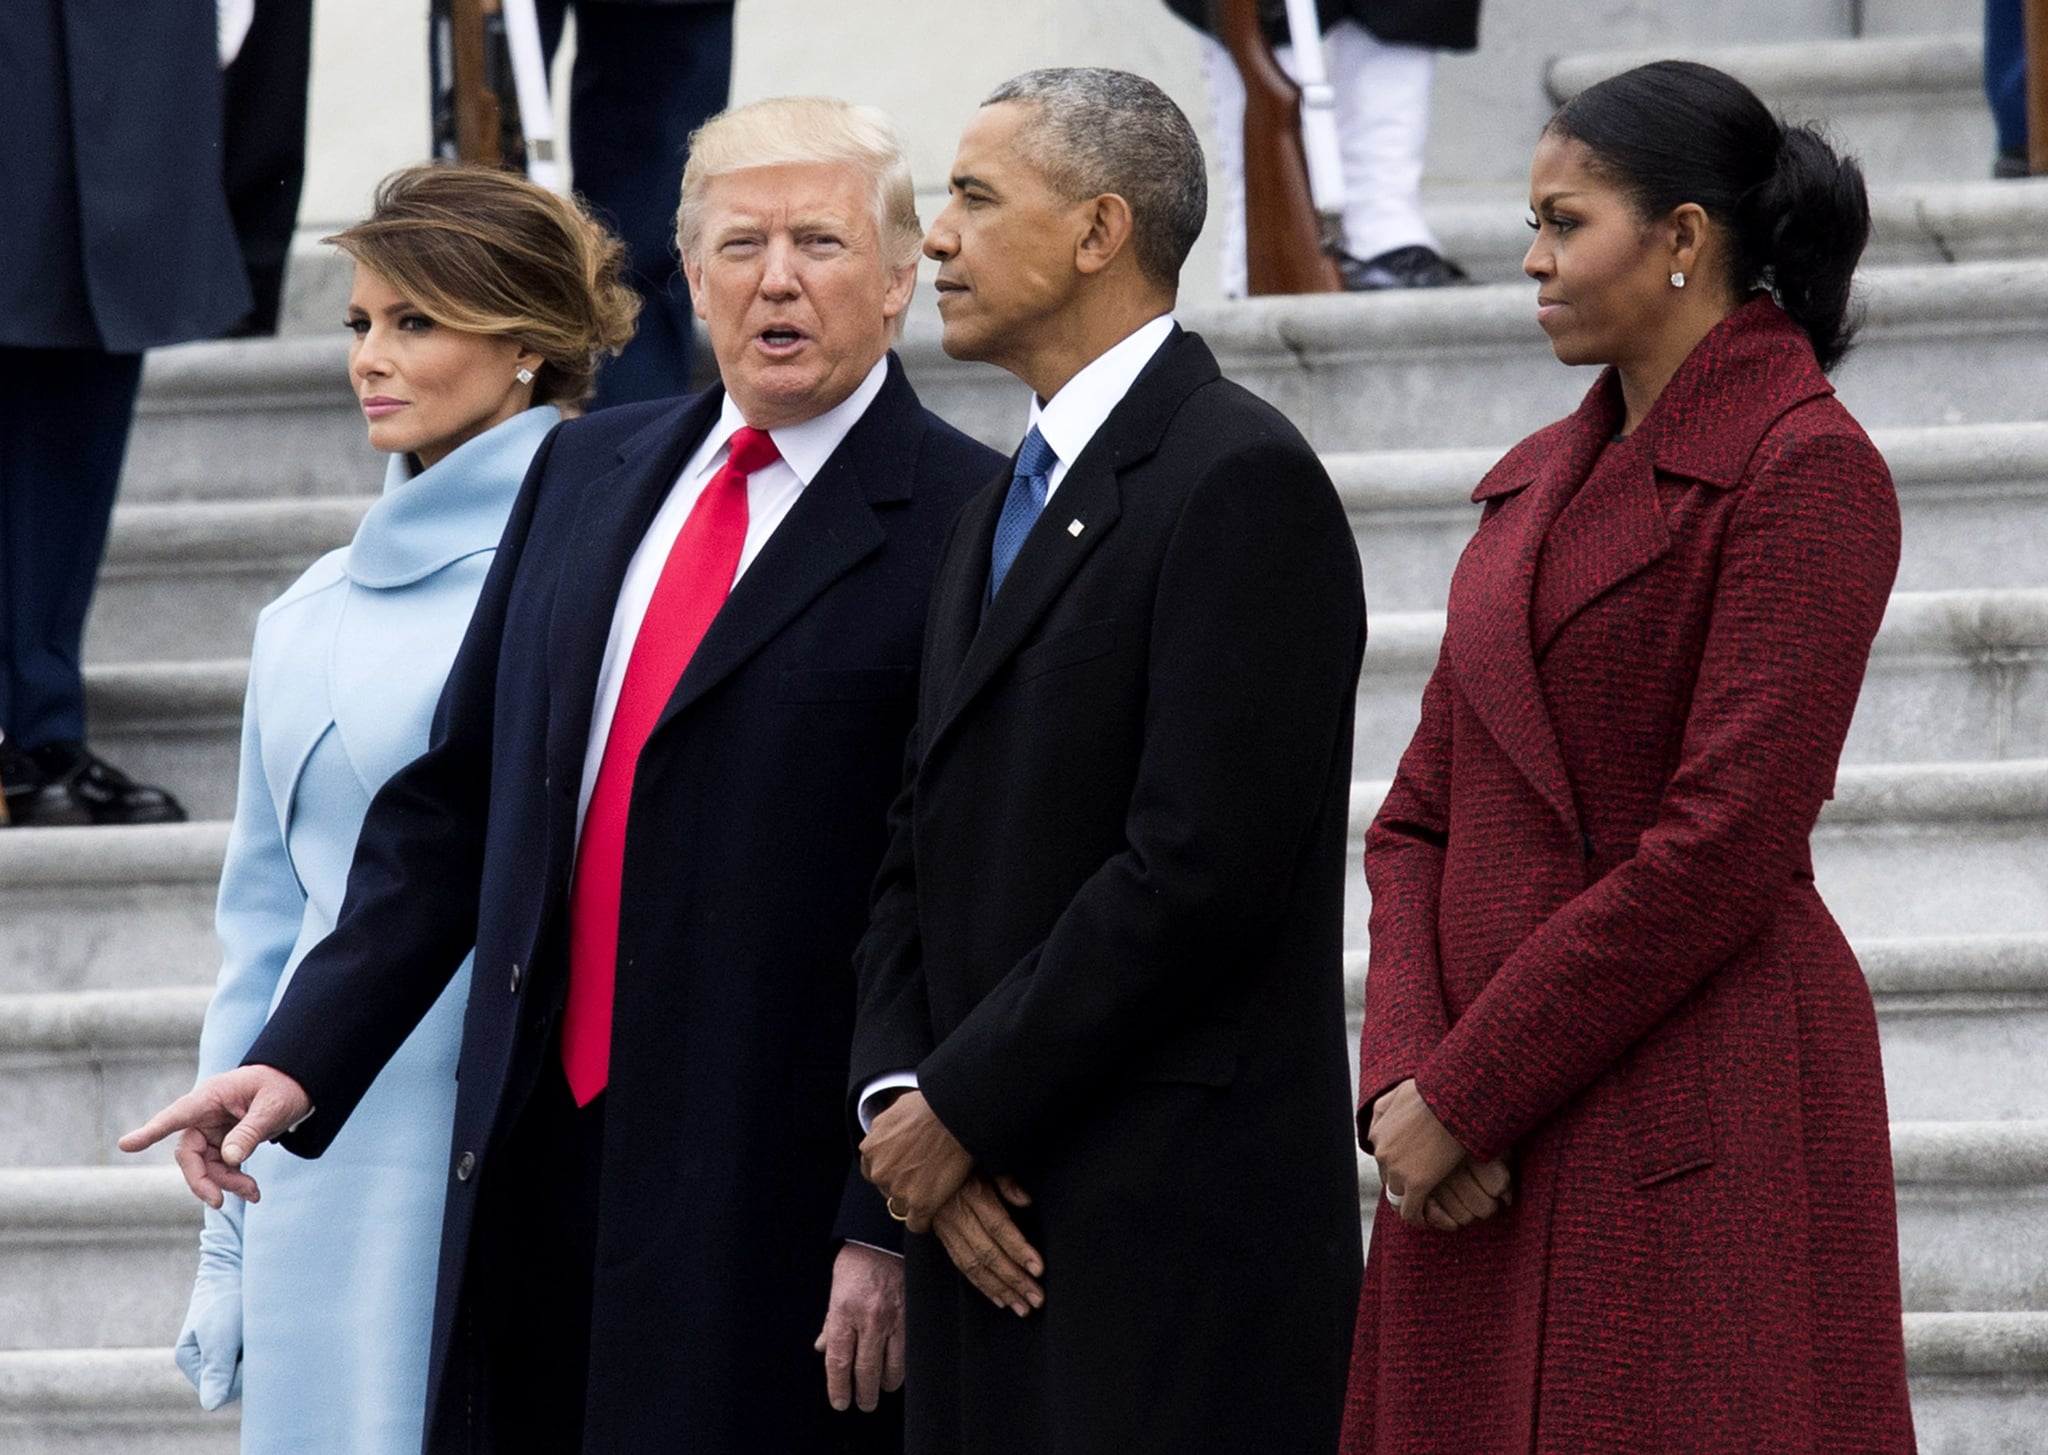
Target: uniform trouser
(1382,104)
(263,146)
(645,77)
(2005,70)
(64,417)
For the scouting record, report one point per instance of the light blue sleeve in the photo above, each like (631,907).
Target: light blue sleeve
(258,918)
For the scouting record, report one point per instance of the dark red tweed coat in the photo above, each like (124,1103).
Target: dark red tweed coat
(1597,947)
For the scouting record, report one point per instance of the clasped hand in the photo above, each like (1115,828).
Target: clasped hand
(932,1184)
(221,1121)
(1424,1166)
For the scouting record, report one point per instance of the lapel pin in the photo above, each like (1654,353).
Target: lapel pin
(1074,527)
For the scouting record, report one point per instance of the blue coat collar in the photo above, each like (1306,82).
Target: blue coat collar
(426,521)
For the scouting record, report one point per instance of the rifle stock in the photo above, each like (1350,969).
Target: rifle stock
(2037,87)
(1283,236)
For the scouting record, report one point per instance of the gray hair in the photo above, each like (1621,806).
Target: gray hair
(1110,131)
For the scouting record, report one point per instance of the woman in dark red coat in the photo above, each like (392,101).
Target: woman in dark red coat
(1620,1069)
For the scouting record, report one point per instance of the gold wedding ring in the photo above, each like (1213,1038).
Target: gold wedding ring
(901,1217)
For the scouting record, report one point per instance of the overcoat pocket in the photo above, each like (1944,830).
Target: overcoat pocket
(1671,1112)
(845,684)
(1067,649)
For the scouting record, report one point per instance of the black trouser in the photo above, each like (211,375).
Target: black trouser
(64,417)
(263,147)
(531,1272)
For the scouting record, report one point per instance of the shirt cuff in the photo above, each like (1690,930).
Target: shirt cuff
(895,1081)
(861,1243)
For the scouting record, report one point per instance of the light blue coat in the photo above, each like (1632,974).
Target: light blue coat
(314,1306)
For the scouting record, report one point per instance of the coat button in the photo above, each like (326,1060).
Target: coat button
(464,1166)
(515,979)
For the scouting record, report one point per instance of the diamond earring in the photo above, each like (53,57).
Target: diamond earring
(525,376)
(1678,280)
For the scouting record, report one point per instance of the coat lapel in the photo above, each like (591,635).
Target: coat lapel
(1612,528)
(1487,627)
(1089,494)
(958,592)
(611,517)
(829,529)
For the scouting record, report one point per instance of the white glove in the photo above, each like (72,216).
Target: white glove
(209,1347)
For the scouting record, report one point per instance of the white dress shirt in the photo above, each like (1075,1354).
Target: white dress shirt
(771,491)
(1068,421)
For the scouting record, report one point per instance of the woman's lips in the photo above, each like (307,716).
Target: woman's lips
(377,406)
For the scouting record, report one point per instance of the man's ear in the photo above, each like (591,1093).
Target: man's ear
(1110,226)
(693,274)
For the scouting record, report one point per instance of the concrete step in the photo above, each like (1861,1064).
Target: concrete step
(1903,850)
(1948,344)
(1963,1021)
(1955,676)
(187,579)
(109,908)
(1485,228)
(1909,107)
(1952,344)
(91,1401)
(79,1068)
(249,418)
(1927,849)
(1973,1215)
(175,723)
(103,1256)
(95,1257)
(1918,17)
(1964,1024)
(1979,1381)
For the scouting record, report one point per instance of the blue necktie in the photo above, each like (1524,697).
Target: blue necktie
(1028,485)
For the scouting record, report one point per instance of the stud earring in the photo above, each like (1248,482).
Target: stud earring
(525,376)
(1678,280)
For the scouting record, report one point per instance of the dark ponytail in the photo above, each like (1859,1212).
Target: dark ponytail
(1674,132)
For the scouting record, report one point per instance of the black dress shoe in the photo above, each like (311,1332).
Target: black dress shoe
(1414,266)
(2010,165)
(32,800)
(104,792)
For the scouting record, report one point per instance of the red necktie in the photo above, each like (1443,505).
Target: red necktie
(694,582)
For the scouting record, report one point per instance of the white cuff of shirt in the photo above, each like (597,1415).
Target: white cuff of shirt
(894,1081)
(892,1252)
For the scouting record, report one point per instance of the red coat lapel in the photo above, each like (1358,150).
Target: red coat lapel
(1487,630)
(1704,427)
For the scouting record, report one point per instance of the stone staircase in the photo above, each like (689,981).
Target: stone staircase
(248,460)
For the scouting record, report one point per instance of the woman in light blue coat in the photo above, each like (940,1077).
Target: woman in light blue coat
(481,303)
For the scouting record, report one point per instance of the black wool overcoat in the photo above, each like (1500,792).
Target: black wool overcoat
(756,825)
(1108,938)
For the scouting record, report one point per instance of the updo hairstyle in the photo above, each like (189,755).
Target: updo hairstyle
(486,251)
(1795,212)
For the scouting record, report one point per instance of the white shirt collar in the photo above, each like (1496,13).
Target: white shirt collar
(807,446)
(1071,417)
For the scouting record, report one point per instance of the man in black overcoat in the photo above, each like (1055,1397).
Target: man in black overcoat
(648,1271)
(1101,1035)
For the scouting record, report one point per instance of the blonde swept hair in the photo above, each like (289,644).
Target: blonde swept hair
(486,251)
(797,130)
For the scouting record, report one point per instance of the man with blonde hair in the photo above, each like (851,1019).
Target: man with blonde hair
(654,803)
